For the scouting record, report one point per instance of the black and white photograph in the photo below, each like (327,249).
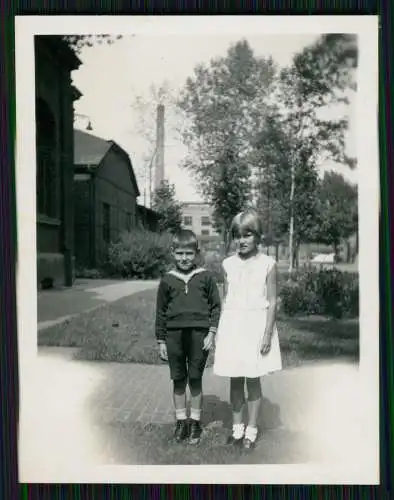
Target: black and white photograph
(198,286)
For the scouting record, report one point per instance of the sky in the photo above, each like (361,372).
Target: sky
(111,76)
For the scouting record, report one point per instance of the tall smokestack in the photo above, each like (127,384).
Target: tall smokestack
(159,177)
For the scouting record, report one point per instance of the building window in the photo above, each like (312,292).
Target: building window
(188,220)
(205,220)
(46,183)
(106,223)
(205,232)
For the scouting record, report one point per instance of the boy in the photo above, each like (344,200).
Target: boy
(187,316)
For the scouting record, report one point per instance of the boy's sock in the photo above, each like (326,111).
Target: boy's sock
(238,431)
(251,433)
(195,414)
(180,414)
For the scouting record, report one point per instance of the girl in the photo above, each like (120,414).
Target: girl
(247,344)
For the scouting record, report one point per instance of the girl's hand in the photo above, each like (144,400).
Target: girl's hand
(208,341)
(266,345)
(163,351)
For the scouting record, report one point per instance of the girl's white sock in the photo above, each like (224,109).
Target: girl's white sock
(251,433)
(238,431)
(195,414)
(180,414)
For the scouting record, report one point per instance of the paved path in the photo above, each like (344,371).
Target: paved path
(55,306)
(72,410)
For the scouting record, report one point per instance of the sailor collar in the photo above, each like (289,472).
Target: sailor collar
(186,277)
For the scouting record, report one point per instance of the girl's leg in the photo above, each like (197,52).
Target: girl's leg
(254,401)
(237,397)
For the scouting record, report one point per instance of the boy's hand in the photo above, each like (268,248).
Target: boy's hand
(266,344)
(208,341)
(163,351)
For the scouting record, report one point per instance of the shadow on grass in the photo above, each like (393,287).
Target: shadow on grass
(216,410)
(152,444)
(148,442)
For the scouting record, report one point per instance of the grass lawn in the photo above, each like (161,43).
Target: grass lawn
(123,331)
(152,444)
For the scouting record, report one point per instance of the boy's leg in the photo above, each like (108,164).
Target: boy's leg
(197,358)
(178,372)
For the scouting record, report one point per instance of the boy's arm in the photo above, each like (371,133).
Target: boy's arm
(161,311)
(214,304)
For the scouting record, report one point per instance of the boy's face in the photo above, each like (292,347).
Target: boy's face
(185,258)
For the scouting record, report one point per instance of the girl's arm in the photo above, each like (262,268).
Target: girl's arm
(271,297)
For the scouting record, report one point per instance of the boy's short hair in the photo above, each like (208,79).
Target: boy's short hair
(247,220)
(185,238)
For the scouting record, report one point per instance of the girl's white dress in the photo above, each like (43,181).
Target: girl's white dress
(243,319)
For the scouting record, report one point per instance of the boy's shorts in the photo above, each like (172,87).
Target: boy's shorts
(186,356)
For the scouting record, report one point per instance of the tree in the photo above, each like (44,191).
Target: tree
(338,210)
(271,155)
(78,42)
(319,76)
(223,104)
(167,207)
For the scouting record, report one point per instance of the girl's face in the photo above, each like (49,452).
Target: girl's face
(185,258)
(246,242)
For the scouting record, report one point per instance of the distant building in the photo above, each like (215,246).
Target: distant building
(105,196)
(55,96)
(197,216)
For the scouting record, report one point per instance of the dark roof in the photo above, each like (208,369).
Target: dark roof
(90,150)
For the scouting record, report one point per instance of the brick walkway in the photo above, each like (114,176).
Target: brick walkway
(134,392)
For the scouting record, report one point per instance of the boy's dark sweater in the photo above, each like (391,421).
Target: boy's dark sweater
(180,305)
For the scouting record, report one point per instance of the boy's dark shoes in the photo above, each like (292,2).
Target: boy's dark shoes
(236,442)
(181,431)
(195,432)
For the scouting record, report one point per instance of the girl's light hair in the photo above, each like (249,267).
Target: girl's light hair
(245,221)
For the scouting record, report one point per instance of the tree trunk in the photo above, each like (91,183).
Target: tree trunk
(296,255)
(291,230)
(335,245)
(277,251)
(348,252)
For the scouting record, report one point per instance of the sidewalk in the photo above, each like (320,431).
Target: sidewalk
(55,306)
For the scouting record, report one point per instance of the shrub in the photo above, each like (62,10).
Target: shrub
(139,254)
(327,292)
(212,260)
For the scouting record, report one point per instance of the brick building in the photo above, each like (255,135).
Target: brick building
(105,196)
(197,216)
(55,94)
